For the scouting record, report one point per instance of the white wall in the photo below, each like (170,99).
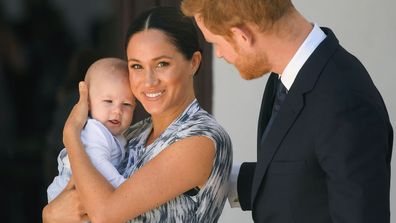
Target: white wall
(365,28)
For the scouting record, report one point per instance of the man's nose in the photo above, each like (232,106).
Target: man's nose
(218,53)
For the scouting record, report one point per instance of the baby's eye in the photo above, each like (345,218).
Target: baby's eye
(128,105)
(162,64)
(108,101)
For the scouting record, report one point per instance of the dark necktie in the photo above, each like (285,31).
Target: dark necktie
(280,96)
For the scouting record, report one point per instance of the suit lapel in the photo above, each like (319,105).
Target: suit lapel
(291,108)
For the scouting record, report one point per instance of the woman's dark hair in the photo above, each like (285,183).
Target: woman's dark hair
(179,28)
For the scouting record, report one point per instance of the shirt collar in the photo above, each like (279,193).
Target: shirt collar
(315,37)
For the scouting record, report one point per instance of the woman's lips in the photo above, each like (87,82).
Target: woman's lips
(153,95)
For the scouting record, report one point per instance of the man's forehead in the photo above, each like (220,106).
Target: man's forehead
(201,24)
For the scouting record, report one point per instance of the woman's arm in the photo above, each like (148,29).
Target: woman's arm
(65,208)
(180,167)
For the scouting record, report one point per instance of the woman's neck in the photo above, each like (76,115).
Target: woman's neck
(162,121)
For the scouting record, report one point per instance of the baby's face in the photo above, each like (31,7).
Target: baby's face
(112,102)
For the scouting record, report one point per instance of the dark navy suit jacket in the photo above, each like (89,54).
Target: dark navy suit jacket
(327,155)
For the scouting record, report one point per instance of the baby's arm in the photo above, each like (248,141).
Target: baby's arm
(101,147)
(59,183)
(102,163)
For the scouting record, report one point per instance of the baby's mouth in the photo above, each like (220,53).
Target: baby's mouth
(114,122)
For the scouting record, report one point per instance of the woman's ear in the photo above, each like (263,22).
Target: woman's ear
(196,61)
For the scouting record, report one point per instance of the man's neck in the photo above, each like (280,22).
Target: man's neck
(282,43)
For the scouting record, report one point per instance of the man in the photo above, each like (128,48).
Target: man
(324,137)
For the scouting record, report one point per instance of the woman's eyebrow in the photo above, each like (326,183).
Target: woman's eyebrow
(154,59)
(162,57)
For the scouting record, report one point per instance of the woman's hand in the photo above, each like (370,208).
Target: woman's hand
(77,117)
(65,208)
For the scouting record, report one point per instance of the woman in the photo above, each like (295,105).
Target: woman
(179,158)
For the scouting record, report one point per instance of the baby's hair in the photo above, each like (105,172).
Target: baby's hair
(112,65)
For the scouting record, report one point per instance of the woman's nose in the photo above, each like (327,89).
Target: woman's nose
(151,78)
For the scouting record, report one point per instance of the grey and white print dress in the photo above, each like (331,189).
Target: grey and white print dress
(207,205)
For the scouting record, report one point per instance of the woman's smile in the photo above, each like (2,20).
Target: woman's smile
(153,95)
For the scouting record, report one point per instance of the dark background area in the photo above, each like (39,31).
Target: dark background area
(45,48)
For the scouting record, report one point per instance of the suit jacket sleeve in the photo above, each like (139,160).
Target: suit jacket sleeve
(244,184)
(354,148)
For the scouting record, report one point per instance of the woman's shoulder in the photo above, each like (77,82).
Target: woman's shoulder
(203,123)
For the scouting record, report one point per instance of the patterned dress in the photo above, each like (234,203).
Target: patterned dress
(207,205)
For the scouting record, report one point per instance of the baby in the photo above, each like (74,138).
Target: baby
(111,106)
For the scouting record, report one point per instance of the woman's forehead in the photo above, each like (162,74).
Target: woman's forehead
(150,43)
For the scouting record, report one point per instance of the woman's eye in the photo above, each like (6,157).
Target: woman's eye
(162,64)
(136,66)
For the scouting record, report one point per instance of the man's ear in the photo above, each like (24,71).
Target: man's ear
(243,35)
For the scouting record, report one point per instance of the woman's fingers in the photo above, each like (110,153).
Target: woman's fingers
(66,208)
(78,116)
(80,110)
(79,210)
(83,89)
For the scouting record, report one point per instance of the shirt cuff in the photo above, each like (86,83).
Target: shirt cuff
(233,198)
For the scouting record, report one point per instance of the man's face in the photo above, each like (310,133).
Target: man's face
(223,48)
(250,63)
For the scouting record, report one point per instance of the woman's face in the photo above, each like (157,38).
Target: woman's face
(161,77)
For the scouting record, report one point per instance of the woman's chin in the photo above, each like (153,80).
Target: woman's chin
(152,110)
